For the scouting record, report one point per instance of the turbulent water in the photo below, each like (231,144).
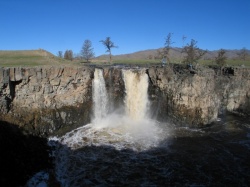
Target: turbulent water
(129,149)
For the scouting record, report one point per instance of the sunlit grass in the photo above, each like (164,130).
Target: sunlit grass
(229,62)
(29,58)
(42,57)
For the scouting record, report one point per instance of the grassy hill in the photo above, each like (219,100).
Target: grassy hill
(148,56)
(28,58)
(42,57)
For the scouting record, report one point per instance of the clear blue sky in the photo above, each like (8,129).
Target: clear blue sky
(133,25)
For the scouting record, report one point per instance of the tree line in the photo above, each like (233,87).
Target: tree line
(87,51)
(190,53)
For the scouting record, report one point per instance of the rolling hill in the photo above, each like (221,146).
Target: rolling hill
(43,57)
(175,53)
(28,58)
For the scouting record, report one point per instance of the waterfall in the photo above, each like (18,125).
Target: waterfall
(133,125)
(100,96)
(136,101)
(109,130)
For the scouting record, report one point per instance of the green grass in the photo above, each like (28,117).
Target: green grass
(42,57)
(29,58)
(229,62)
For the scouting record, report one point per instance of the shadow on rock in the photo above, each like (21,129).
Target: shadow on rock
(21,156)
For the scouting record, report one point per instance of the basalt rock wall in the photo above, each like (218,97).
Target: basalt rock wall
(198,97)
(47,100)
(43,100)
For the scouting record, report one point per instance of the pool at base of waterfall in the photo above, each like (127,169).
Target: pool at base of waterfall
(212,156)
(129,149)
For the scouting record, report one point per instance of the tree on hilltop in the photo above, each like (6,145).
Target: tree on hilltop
(108,45)
(60,54)
(193,53)
(87,50)
(242,54)
(221,58)
(68,55)
(167,47)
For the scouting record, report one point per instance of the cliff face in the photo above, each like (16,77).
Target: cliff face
(43,100)
(196,98)
(57,99)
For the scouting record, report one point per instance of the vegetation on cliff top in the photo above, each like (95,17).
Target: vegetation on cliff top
(43,57)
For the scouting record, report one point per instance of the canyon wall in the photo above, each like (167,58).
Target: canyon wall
(198,97)
(44,100)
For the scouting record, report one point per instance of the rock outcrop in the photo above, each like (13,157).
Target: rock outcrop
(197,98)
(45,99)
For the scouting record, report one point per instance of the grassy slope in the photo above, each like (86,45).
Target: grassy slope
(42,57)
(29,58)
(141,57)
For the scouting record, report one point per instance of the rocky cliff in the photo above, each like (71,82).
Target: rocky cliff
(44,100)
(198,97)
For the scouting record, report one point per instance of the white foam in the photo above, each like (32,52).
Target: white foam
(120,132)
(132,130)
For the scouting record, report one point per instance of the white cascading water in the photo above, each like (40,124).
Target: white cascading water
(100,96)
(136,101)
(132,130)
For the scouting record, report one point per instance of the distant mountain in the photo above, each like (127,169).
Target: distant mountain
(175,53)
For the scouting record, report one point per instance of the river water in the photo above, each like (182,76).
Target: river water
(125,148)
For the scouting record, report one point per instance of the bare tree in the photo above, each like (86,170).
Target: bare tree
(87,50)
(242,54)
(108,45)
(68,54)
(183,41)
(193,53)
(167,47)
(221,58)
(60,54)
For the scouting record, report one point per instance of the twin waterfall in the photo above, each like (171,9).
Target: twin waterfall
(136,100)
(109,131)
(131,128)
